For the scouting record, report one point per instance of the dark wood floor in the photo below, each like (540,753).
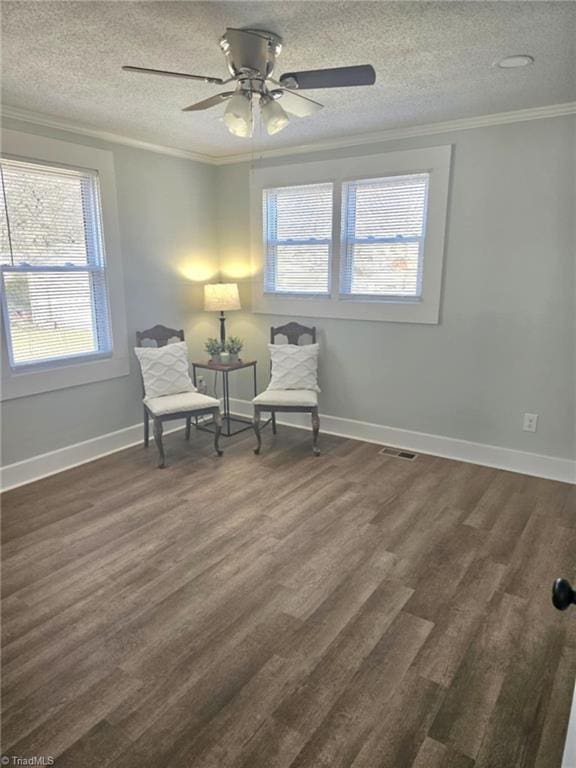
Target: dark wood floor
(286,610)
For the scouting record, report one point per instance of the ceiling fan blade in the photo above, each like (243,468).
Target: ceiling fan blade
(211,102)
(339,77)
(295,104)
(165,73)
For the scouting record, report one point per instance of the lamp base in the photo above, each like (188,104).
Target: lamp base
(222,327)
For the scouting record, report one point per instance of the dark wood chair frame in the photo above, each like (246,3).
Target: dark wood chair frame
(293,332)
(161,335)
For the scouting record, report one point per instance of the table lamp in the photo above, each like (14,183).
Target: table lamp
(221,297)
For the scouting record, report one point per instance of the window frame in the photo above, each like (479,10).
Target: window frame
(23,380)
(310,241)
(96,264)
(436,161)
(346,261)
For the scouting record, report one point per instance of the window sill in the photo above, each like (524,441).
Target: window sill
(391,300)
(34,382)
(405,311)
(296,295)
(59,362)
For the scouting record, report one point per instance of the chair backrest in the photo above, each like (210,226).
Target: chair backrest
(293,332)
(159,334)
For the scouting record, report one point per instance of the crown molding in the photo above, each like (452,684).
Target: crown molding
(37,118)
(429,129)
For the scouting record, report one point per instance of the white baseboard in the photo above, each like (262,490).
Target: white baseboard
(539,465)
(45,464)
(550,467)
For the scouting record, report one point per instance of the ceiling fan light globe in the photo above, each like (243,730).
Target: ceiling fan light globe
(238,127)
(238,116)
(274,117)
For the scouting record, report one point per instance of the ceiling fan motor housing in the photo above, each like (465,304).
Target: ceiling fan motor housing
(251,53)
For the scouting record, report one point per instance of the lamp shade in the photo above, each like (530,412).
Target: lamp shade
(221,297)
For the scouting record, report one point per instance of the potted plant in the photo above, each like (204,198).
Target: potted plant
(234,346)
(213,347)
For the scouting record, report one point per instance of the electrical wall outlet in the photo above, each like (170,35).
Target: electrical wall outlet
(530,422)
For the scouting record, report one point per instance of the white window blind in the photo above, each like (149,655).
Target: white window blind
(52,265)
(298,239)
(383,231)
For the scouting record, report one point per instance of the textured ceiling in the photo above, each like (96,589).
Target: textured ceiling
(433,62)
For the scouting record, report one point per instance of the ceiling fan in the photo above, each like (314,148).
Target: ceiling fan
(251,56)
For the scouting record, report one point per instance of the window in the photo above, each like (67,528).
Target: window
(298,239)
(63,318)
(357,238)
(52,265)
(383,231)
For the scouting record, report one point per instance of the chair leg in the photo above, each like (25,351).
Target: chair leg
(315,431)
(273,423)
(217,431)
(146,428)
(188,425)
(158,429)
(256,425)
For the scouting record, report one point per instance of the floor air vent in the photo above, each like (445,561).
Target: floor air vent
(398,453)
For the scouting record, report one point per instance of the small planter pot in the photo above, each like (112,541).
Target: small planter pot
(224,358)
(234,357)
(214,358)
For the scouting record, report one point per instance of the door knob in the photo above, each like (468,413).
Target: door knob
(563,596)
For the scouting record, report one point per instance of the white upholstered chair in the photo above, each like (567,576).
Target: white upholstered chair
(175,405)
(275,401)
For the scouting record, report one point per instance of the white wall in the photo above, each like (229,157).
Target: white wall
(165,208)
(506,340)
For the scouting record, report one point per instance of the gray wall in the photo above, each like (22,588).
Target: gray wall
(505,344)
(506,341)
(165,208)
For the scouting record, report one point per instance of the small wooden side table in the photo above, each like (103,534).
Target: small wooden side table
(225,369)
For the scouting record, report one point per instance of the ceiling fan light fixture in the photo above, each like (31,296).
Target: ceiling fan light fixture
(274,117)
(238,115)
(251,57)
